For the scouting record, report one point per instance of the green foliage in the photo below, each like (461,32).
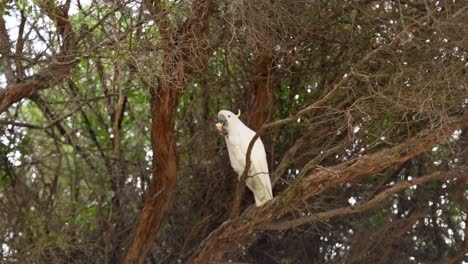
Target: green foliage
(73,174)
(377,219)
(4,180)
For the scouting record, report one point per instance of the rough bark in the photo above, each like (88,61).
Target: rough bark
(319,181)
(159,193)
(260,102)
(186,54)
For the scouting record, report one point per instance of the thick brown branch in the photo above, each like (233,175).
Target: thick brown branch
(260,102)
(178,63)
(332,92)
(55,72)
(5,53)
(319,181)
(323,216)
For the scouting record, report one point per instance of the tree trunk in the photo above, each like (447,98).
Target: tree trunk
(186,54)
(256,117)
(159,193)
(260,103)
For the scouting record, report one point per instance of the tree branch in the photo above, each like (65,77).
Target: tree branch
(323,216)
(5,51)
(181,57)
(55,72)
(319,181)
(397,40)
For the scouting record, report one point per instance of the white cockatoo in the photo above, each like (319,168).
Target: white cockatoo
(238,137)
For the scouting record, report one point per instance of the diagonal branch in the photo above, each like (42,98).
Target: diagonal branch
(319,181)
(399,39)
(56,72)
(323,216)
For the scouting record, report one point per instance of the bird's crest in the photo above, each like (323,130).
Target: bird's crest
(238,114)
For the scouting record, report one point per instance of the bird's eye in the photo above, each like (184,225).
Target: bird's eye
(229,115)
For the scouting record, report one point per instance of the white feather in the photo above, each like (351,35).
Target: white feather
(237,140)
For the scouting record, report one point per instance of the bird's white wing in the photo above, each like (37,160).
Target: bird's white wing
(236,154)
(259,165)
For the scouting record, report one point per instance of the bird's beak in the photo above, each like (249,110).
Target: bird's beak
(220,126)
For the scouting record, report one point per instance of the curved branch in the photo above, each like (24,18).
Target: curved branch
(53,74)
(323,216)
(319,181)
(397,40)
(179,62)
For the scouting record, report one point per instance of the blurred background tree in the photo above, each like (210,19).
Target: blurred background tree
(109,151)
